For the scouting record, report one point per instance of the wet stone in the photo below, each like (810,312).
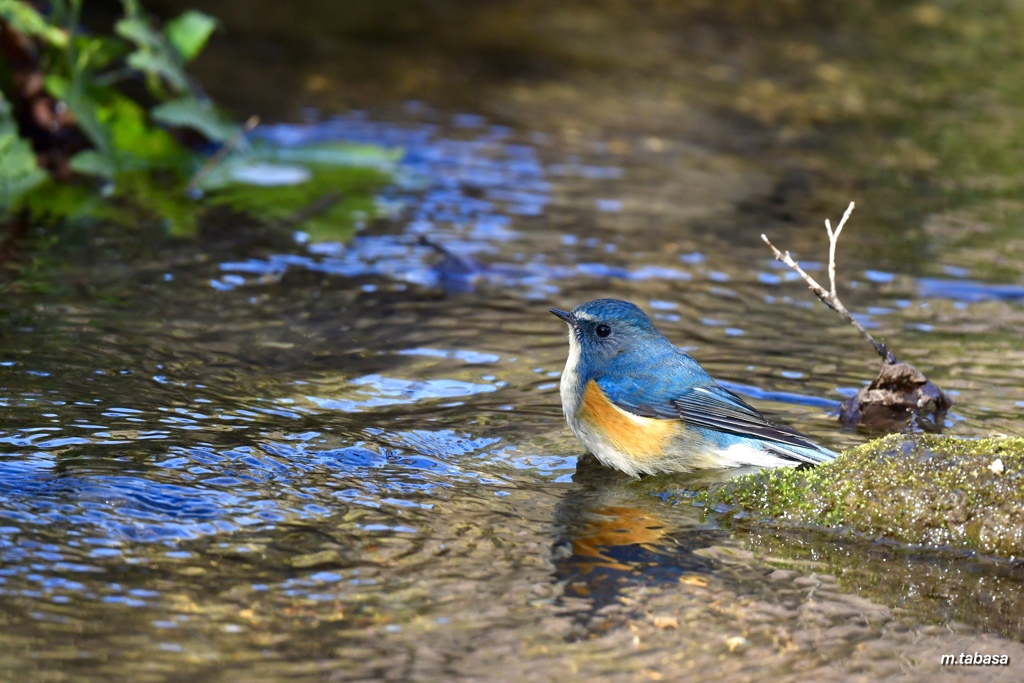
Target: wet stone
(914,489)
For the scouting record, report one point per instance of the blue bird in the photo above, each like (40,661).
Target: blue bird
(643,406)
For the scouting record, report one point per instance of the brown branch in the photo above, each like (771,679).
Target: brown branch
(830,298)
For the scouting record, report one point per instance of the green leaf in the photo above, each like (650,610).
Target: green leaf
(24,19)
(58,86)
(159,65)
(339,154)
(201,116)
(19,170)
(85,110)
(124,141)
(97,52)
(132,9)
(177,213)
(137,144)
(154,56)
(353,186)
(139,32)
(189,32)
(91,162)
(53,202)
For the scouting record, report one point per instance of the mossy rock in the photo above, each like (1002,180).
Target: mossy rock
(916,489)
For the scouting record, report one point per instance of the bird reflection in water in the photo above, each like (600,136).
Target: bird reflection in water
(614,531)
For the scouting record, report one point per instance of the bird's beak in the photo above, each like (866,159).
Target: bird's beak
(566,317)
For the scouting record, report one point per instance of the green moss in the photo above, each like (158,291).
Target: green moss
(918,489)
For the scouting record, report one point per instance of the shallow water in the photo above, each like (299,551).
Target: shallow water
(252,457)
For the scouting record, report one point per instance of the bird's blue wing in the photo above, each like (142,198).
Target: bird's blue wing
(715,407)
(643,394)
(647,384)
(706,405)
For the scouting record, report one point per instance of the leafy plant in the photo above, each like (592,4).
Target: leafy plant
(111,111)
(84,73)
(19,171)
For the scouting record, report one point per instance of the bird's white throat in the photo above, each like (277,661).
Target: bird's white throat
(569,387)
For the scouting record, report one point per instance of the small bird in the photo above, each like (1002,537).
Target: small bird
(643,406)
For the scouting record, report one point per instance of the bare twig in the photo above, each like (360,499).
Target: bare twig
(830,298)
(833,238)
(218,156)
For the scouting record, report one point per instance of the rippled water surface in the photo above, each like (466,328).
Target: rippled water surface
(259,458)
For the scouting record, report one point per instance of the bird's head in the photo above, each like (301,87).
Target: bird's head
(606,332)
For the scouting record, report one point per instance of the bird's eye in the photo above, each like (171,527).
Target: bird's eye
(602,331)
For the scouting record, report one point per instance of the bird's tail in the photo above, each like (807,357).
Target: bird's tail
(812,454)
